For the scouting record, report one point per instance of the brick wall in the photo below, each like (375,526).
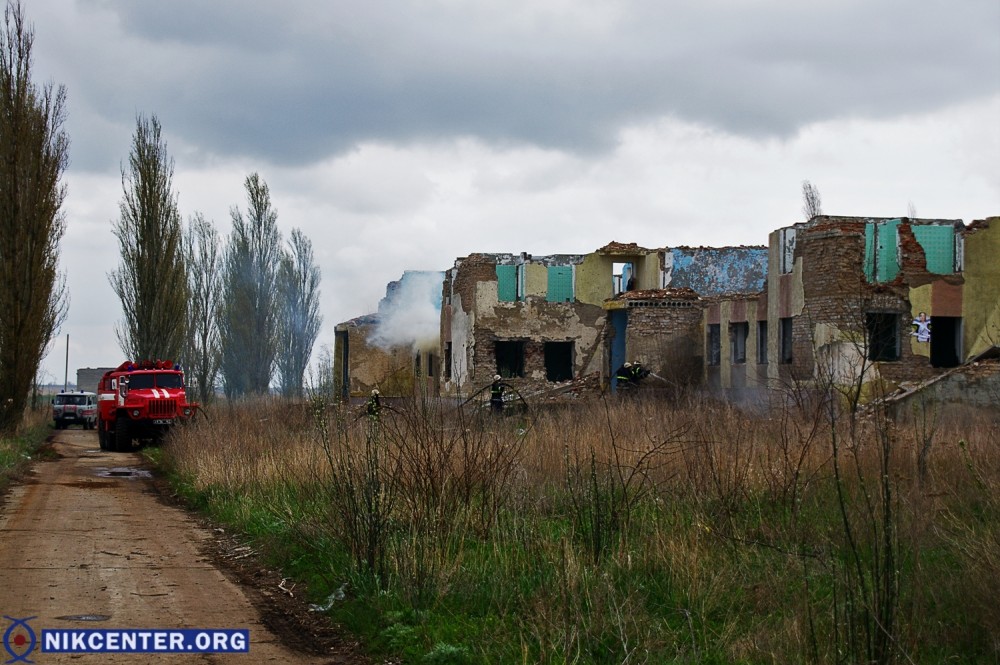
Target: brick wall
(667,340)
(836,293)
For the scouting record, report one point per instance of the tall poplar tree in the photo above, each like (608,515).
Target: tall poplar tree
(298,293)
(203,258)
(151,280)
(33,158)
(248,321)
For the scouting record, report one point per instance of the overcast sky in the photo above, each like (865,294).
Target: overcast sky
(402,134)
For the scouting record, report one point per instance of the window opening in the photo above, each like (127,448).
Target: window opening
(714,344)
(883,336)
(623,276)
(762,342)
(558,361)
(787,239)
(738,333)
(509,358)
(785,340)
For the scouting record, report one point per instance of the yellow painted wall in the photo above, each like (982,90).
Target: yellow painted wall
(648,272)
(980,303)
(594,279)
(536,280)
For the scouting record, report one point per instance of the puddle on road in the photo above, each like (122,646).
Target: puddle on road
(122,472)
(85,617)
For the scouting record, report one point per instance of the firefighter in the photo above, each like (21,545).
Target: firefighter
(638,372)
(497,389)
(624,376)
(374,406)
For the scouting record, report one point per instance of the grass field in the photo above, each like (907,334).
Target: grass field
(620,532)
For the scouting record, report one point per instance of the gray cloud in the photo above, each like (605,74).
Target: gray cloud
(292,83)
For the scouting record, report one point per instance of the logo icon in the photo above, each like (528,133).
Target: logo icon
(19,640)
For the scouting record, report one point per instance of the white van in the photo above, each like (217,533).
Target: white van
(74,408)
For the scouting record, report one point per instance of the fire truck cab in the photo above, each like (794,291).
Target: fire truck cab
(140,401)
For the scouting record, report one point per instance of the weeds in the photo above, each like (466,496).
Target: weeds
(622,532)
(16,452)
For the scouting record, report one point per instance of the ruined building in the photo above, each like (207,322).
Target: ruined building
(396,348)
(825,300)
(877,299)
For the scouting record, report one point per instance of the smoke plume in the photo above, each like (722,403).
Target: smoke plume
(410,313)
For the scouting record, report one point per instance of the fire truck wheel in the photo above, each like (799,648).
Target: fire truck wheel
(123,440)
(100,439)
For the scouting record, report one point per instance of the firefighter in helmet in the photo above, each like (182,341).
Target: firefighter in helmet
(374,406)
(497,390)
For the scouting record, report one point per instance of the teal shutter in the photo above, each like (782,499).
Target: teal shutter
(887,251)
(560,284)
(938,243)
(506,283)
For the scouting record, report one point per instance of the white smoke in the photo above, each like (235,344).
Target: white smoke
(410,313)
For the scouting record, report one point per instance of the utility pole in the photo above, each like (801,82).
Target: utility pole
(66,375)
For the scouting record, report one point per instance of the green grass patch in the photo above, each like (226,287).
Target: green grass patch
(18,452)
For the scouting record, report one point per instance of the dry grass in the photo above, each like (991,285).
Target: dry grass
(629,532)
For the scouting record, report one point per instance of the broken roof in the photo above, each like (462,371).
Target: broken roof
(615,248)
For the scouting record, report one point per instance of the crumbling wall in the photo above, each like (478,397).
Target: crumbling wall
(974,387)
(713,271)
(478,319)
(666,337)
(841,285)
(370,366)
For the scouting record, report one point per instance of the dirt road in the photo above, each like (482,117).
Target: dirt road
(85,542)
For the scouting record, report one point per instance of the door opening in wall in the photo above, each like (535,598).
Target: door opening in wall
(509,358)
(623,275)
(946,341)
(558,361)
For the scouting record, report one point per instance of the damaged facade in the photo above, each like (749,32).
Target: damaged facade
(550,319)
(892,300)
(825,300)
(396,349)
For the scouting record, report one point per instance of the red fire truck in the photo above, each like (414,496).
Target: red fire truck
(140,401)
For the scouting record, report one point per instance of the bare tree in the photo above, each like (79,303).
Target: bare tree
(811,205)
(298,292)
(33,157)
(151,280)
(201,250)
(249,318)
